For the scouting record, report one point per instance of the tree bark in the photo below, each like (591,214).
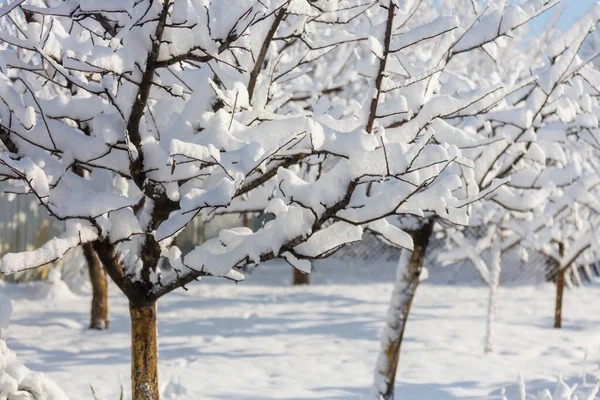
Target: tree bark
(560,287)
(99,311)
(493,299)
(299,278)
(408,272)
(144,351)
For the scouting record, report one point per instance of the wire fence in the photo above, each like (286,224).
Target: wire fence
(515,268)
(25,226)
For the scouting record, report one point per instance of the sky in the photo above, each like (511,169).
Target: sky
(571,11)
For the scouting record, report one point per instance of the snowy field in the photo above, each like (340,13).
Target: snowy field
(263,339)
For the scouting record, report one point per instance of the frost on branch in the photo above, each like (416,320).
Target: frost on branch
(76,233)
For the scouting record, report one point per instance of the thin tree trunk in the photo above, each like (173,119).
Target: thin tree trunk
(299,278)
(493,299)
(99,311)
(408,271)
(587,272)
(560,287)
(576,280)
(144,352)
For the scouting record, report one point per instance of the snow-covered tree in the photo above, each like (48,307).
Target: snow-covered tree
(566,231)
(15,17)
(467,65)
(154,112)
(542,130)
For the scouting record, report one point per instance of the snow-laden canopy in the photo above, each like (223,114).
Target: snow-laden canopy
(129,119)
(545,136)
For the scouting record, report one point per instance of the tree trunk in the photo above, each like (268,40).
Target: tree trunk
(493,299)
(99,312)
(575,275)
(299,278)
(587,273)
(560,287)
(144,352)
(408,272)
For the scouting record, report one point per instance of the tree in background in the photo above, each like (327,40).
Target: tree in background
(99,313)
(465,56)
(12,18)
(546,132)
(566,232)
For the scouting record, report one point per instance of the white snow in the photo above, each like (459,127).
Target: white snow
(263,339)
(17,382)
(5,312)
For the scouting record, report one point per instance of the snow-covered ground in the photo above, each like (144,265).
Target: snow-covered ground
(263,339)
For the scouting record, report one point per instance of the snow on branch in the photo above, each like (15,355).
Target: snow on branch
(76,233)
(130,119)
